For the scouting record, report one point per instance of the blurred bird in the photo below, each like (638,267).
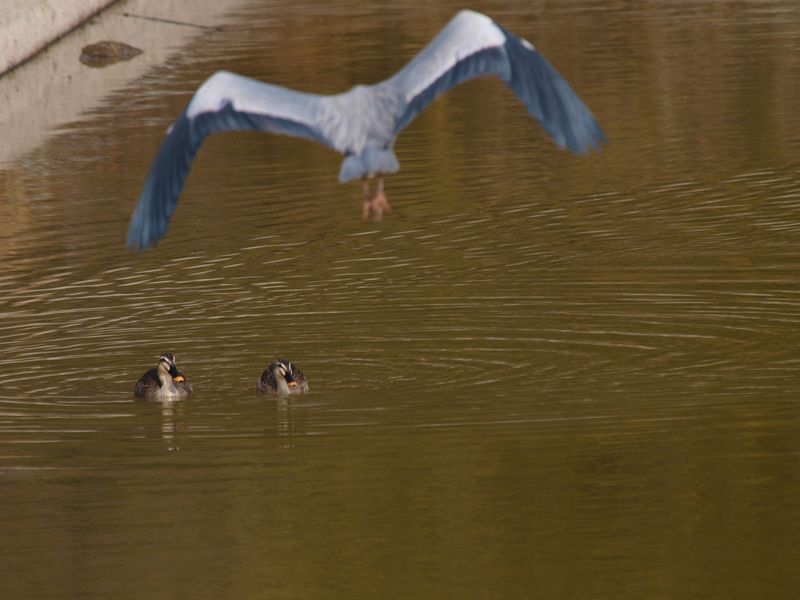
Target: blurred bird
(362,123)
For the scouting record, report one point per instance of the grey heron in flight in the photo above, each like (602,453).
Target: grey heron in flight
(363,122)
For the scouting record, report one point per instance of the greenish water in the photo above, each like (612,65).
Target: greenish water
(541,377)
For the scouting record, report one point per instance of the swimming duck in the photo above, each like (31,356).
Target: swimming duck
(282,378)
(163,381)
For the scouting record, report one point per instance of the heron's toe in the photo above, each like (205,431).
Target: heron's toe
(380,205)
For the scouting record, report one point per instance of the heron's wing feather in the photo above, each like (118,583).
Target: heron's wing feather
(550,99)
(469,46)
(225,102)
(472,45)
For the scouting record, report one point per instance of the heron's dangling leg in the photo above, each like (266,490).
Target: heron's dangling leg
(374,204)
(380,203)
(365,206)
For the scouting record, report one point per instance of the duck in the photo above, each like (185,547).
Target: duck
(163,382)
(282,378)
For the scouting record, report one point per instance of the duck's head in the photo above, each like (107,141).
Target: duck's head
(173,367)
(166,362)
(282,369)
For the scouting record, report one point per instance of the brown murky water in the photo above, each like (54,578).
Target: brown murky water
(541,377)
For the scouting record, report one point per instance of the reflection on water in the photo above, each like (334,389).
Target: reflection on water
(540,376)
(174,421)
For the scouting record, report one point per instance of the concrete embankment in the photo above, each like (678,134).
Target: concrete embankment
(53,87)
(28,26)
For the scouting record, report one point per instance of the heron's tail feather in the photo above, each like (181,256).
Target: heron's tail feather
(370,162)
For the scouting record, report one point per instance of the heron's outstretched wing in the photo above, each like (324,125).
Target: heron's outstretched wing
(472,45)
(225,102)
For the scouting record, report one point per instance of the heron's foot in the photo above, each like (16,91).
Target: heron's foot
(375,206)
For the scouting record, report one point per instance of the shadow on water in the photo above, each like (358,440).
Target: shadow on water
(541,375)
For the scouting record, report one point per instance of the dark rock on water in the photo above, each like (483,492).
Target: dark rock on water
(102,54)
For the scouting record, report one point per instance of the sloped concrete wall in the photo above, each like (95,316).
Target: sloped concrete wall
(27,26)
(54,87)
